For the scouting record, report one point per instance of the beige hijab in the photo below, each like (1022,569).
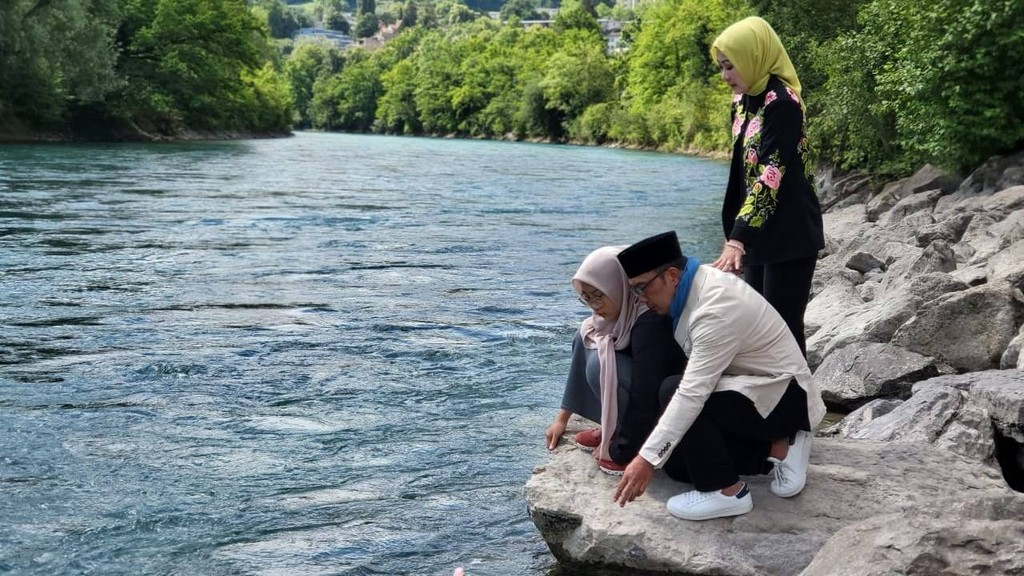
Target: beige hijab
(601,269)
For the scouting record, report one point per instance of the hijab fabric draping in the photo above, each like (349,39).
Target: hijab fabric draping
(756,52)
(601,269)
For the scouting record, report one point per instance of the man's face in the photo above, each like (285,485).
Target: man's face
(656,288)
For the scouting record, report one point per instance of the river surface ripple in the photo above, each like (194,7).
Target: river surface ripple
(326,354)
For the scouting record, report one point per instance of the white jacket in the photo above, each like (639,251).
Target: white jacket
(734,340)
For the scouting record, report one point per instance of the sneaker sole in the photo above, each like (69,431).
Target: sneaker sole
(738,510)
(611,472)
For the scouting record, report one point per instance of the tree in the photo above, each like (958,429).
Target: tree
(348,101)
(309,62)
(366,18)
(396,109)
(427,17)
(322,9)
(409,14)
(522,9)
(187,63)
(671,81)
(922,81)
(338,22)
(578,75)
(281,19)
(803,26)
(576,15)
(55,57)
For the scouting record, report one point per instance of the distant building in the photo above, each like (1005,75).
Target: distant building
(537,23)
(384,33)
(611,31)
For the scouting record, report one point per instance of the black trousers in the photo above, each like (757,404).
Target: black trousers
(787,287)
(729,436)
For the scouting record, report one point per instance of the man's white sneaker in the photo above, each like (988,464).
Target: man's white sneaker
(694,505)
(791,473)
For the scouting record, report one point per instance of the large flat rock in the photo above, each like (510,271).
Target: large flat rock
(570,501)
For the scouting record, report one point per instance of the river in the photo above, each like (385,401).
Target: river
(325,354)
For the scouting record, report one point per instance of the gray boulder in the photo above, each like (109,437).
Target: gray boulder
(955,411)
(996,173)
(968,330)
(1007,264)
(974,536)
(849,426)
(1001,394)
(863,262)
(1012,357)
(832,191)
(988,234)
(840,316)
(863,371)
(927,178)
(913,204)
(950,230)
(936,414)
(570,502)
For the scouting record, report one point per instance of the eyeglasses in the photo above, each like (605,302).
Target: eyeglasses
(640,290)
(593,300)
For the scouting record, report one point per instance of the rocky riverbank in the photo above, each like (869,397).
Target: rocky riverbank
(915,324)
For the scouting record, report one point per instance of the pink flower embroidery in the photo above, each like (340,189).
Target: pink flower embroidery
(736,98)
(770,97)
(737,124)
(772,177)
(754,127)
(792,94)
(751,156)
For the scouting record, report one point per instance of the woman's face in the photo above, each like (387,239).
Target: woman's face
(730,75)
(600,303)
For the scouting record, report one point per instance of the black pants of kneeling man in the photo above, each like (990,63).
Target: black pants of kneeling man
(730,438)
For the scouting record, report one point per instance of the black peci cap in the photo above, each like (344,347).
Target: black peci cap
(650,253)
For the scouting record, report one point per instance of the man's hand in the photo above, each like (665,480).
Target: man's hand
(634,481)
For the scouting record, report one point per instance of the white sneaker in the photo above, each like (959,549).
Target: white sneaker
(694,505)
(791,473)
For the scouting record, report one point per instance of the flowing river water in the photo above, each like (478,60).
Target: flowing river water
(325,354)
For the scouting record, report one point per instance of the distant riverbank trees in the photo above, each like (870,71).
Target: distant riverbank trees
(137,68)
(890,84)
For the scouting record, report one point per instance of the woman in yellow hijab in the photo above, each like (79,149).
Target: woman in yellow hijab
(771,216)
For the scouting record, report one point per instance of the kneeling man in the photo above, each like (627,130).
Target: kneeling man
(746,401)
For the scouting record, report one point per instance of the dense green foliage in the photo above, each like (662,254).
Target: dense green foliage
(131,66)
(366,18)
(924,81)
(889,84)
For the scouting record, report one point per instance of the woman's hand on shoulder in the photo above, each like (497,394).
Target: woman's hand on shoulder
(731,259)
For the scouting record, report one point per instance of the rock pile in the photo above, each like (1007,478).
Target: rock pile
(915,324)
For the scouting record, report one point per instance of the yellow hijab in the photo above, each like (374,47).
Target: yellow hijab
(756,52)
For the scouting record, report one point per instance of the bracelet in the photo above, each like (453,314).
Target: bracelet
(736,245)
